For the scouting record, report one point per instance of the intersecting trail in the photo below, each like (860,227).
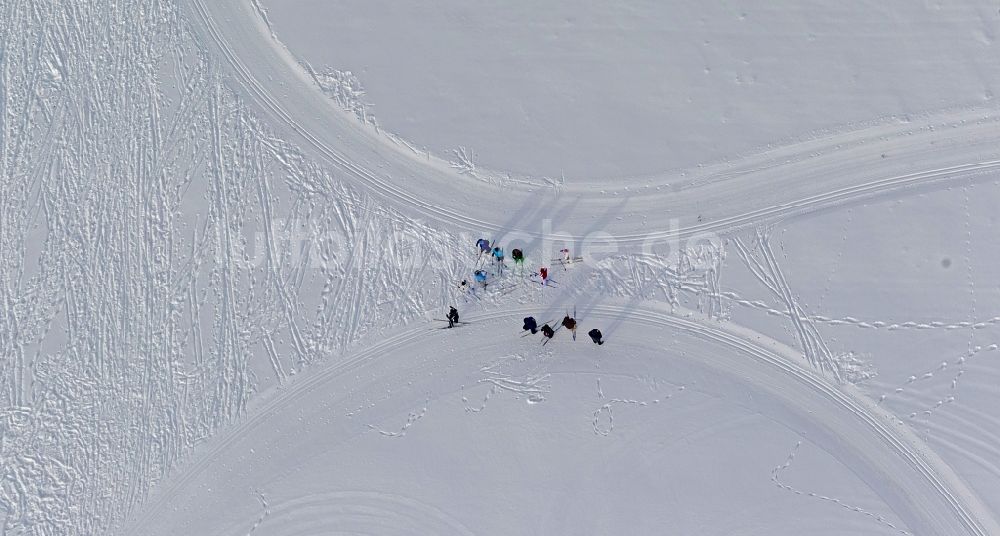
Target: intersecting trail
(177,196)
(770,275)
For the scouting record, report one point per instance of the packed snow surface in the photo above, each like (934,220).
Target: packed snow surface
(230,232)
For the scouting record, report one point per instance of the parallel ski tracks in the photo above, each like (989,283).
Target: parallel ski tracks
(828,390)
(428,208)
(979,523)
(379,185)
(938,478)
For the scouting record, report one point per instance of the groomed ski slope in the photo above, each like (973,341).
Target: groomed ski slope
(785,182)
(796,179)
(219,291)
(623,90)
(392,388)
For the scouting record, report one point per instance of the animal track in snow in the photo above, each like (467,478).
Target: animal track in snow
(775,477)
(608,408)
(412,418)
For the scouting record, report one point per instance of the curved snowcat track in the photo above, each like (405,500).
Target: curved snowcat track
(931,495)
(792,180)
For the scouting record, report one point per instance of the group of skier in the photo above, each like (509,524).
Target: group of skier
(568,322)
(481,276)
(531,325)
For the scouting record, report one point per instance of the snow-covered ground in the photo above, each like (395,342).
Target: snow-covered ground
(229,229)
(609,89)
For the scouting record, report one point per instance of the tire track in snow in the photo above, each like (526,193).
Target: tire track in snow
(935,500)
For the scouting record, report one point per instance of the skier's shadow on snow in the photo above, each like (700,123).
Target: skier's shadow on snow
(517,233)
(573,297)
(633,301)
(526,229)
(501,237)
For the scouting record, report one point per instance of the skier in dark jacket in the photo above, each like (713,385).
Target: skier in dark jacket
(530,325)
(517,255)
(569,323)
(595,335)
(484,245)
(547,331)
(452,317)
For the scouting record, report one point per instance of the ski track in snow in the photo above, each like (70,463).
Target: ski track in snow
(96,158)
(650,278)
(841,167)
(359,512)
(767,271)
(928,482)
(156,239)
(521,375)
(163,246)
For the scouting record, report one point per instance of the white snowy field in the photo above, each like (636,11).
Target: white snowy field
(595,90)
(229,230)
(466,432)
